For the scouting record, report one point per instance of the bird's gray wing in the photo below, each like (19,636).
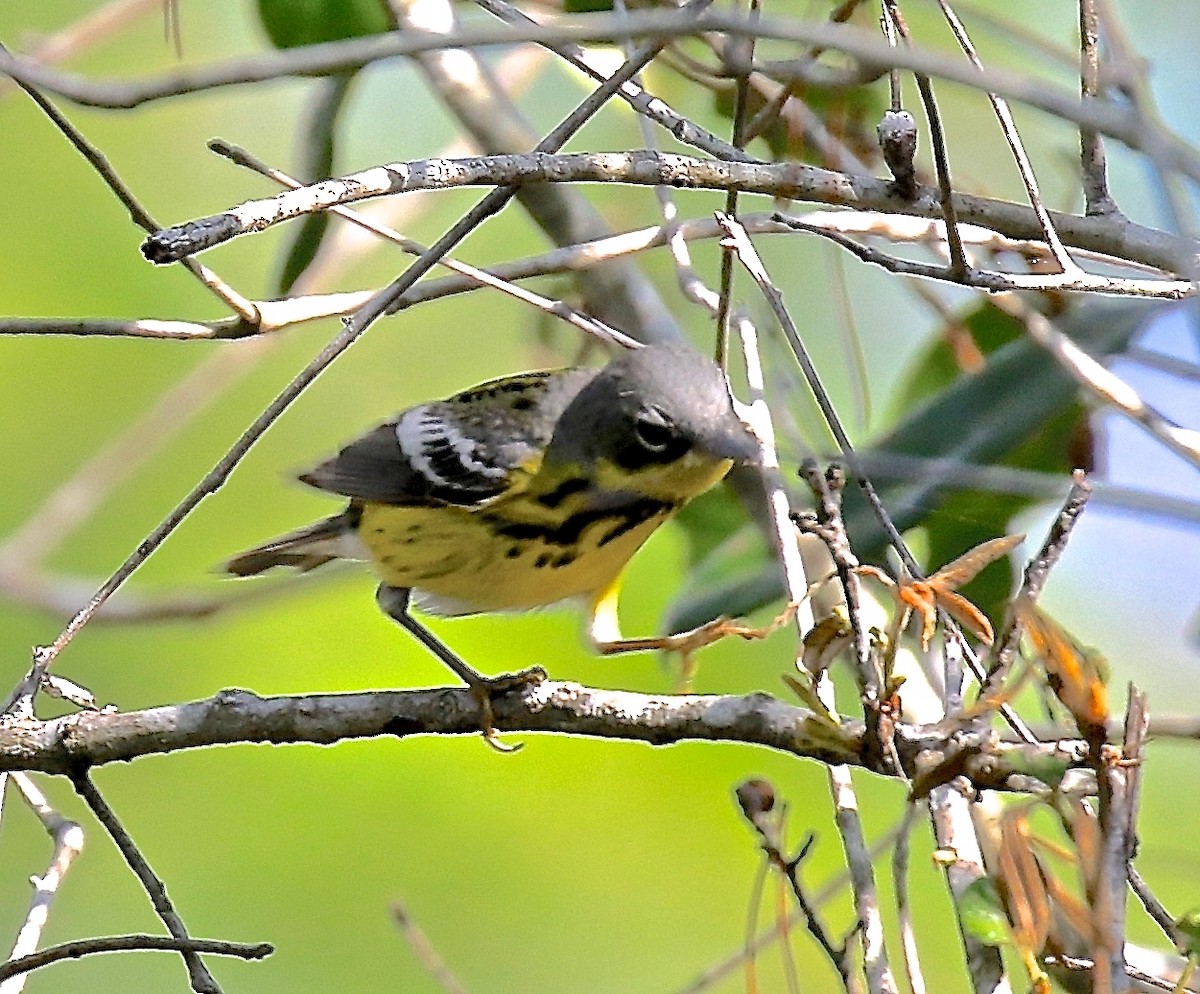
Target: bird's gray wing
(461,450)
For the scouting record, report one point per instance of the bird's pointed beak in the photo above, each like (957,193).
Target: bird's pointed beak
(732,439)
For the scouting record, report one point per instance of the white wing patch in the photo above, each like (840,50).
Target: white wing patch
(441,453)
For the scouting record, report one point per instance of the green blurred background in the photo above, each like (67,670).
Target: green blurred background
(572,865)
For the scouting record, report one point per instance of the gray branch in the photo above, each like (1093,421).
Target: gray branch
(66,745)
(788,180)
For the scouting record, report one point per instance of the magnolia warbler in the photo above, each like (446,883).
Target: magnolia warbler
(523,491)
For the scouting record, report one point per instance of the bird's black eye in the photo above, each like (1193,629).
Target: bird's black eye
(654,430)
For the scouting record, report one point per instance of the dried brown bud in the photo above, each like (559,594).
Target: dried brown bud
(756,797)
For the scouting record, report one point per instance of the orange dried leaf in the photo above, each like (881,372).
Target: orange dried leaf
(1076,675)
(967,566)
(967,615)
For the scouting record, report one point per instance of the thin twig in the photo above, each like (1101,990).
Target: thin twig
(878,974)
(743,53)
(956,836)
(996,282)
(754,265)
(647,168)
(1126,75)
(1149,901)
(796,571)
(937,142)
(556,308)
(889,32)
(1109,117)
(649,106)
(862,874)
(68,843)
(21,967)
(756,799)
(99,162)
(719,971)
(1119,794)
(908,936)
(1106,386)
(1009,126)
(201,980)
(464,83)
(1037,571)
(1097,199)
(424,951)
(687,279)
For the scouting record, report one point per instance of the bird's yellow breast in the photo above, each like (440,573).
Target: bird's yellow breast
(556,535)
(468,562)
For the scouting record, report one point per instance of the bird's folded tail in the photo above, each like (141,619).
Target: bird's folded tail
(304,549)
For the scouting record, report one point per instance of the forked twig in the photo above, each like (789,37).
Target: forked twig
(202,981)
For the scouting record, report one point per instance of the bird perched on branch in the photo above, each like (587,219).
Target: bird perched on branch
(523,491)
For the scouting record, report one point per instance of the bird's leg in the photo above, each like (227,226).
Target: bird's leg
(604,630)
(394,601)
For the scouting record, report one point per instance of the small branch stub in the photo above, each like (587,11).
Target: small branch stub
(897,133)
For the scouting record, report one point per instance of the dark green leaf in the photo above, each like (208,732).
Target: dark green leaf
(319,143)
(289,23)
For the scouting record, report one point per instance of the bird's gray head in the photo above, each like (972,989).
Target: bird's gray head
(652,408)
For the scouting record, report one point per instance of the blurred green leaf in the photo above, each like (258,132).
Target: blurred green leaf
(849,115)
(318,143)
(1189,928)
(290,23)
(981,913)
(711,522)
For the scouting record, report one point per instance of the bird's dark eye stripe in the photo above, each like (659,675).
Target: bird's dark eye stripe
(636,456)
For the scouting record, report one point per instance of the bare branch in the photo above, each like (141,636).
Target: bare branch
(1009,126)
(1074,279)
(1037,570)
(63,745)
(963,864)
(937,141)
(791,180)
(480,277)
(757,801)
(99,162)
(19,967)
(1104,116)
(908,936)
(1108,388)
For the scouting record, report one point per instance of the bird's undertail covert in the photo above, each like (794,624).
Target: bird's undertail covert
(304,549)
